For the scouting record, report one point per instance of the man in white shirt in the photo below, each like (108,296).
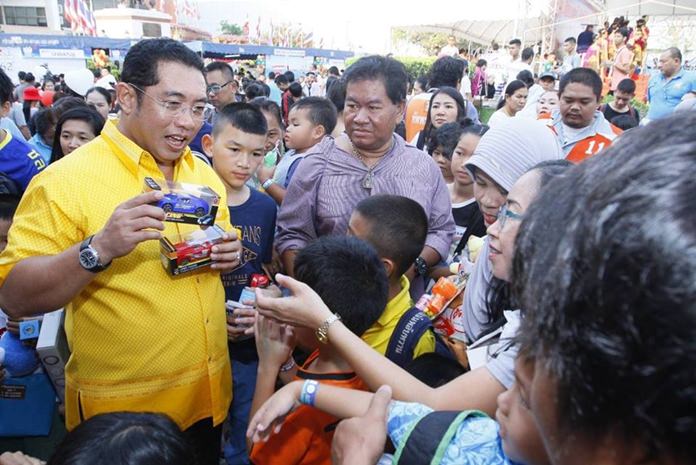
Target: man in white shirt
(571,60)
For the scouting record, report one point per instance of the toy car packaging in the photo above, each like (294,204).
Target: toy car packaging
(188,252)
(185,203)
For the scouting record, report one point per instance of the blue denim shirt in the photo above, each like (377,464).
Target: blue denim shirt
(664,95)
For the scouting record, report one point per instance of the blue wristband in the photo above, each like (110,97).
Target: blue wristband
(309,392)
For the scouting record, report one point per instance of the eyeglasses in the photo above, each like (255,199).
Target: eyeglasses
(174,109)
(216,88)
(504,213)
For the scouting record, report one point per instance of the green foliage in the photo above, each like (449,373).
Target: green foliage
(229,28)
(415,66)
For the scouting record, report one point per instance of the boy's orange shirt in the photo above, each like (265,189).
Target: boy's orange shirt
(306,435)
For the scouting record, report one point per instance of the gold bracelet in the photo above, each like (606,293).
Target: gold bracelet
(322,331)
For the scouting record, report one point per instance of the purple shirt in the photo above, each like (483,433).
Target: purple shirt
(327,186)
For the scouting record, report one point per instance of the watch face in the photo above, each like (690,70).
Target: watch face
(88,259)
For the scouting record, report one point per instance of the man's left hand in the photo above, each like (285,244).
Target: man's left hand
(228,254)
(360,440)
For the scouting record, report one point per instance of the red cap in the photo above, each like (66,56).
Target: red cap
(31,93)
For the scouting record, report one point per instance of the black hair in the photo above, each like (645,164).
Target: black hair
(515,42)
(268,106)
(221,66)
(266,89)
(674,52)
(526,76)
(424,139)
(334,71)
(624,122)
(623,31)
(29,78)
(43,120)
(6,87)
(125,438)
(434,369)
(21,75)
(571,40)
(336,93)
(585,76)
(271,75)
(391,72)
(499,295)
(510,90)
(243,116)
(100,90)
(281,79)
(447,137)
(320,112)
(290,76)
(527,53)
(349,277)
(605,272)
(627,86)
(481,62)
(66,103)
(142,60)
(295,89)
(82,113)
(446,71)
(9,197)
(423,81)
(253,90)
(398,227)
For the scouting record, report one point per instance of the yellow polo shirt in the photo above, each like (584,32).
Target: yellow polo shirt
(379,334)
(140,340)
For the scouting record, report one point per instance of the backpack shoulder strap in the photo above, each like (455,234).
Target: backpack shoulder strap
(406,335)
(427,441)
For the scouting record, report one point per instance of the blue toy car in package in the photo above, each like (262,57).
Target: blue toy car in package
(185,203)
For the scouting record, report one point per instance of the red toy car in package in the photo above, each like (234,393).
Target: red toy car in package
(185,203)
(181,254)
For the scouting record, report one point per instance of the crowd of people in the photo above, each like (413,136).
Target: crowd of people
(563,227)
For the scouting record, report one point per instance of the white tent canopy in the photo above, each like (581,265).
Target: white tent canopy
(531,30)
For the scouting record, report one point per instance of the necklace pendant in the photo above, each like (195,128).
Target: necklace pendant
(367,181)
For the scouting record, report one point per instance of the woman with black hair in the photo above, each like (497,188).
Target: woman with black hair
(513,101)
(446,106)
(74,129)
(100,99)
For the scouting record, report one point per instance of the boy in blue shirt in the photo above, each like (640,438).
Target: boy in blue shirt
(18,160)
(236,146)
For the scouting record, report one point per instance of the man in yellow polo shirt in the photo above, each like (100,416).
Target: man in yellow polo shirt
(85,237)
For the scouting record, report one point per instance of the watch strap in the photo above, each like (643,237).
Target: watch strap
(87,243)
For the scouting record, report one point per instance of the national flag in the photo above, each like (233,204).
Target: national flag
(321,43)
(245,28)
(258,31)
(308,40)
(86,19)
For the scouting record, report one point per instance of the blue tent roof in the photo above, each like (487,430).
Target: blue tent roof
(63,42)
(236,49)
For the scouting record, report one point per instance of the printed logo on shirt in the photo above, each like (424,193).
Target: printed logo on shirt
(36,158)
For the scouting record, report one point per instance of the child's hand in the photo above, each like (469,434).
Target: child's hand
(239,323)
(274,342)
(264,173)
(270,417)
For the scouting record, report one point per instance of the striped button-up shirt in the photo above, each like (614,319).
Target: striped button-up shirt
(328,185)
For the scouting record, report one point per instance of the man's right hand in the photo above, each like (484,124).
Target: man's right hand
(133,222)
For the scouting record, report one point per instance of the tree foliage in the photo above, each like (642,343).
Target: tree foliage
(415,66)
(230,28)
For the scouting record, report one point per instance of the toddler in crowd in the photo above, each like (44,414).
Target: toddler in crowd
(310,119)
